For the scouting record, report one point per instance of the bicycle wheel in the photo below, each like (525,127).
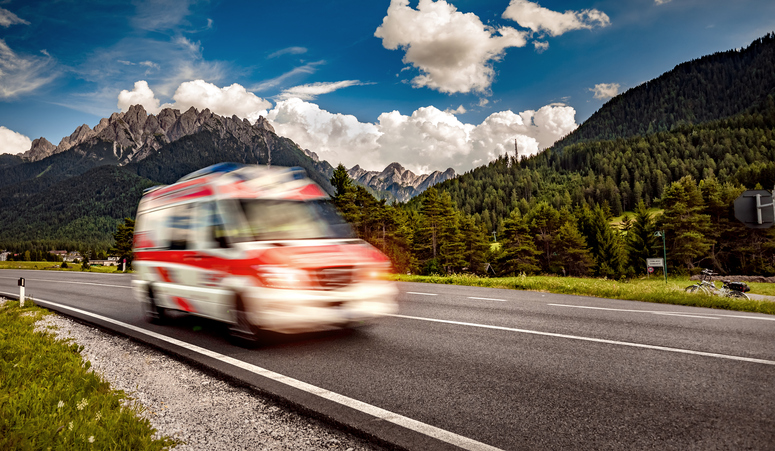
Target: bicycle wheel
(737,295)
(692,289)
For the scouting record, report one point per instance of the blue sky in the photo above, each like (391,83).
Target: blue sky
(430,84)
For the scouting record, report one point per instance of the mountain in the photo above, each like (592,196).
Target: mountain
(616,157)
(397,182)
(713,87)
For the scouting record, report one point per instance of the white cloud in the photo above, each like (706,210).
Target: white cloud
(308,68)
(453,51)
(539,19)
(13,142)
(7,18)
(540,46)
(288,51)
(160,15)
(605,90)
(459,110)
(661,2)
(140,95)
(226,101)
(428,139)
(23,74)
(312,90)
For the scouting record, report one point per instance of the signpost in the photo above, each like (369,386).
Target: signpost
(660,233)
(21,292)
(755,209)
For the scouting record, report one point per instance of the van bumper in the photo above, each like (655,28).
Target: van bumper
(298,311)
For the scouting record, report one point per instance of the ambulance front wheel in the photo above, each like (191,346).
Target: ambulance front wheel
(153,313)
(241,331)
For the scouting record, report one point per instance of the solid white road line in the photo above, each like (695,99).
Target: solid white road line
(422,294)
(417,426)
(487,299)
(595,340)
(655,312)
(70,281)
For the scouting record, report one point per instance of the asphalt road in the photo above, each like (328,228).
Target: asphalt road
(510,369)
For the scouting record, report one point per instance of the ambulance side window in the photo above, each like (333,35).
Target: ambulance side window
(150,231)
(179,226)
(215,230)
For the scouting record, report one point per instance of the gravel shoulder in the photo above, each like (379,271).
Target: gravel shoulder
(193,406)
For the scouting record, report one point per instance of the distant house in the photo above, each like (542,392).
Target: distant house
(72,256)
(60,254)
(4,256)
(103,262)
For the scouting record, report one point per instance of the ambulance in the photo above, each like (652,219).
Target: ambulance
(258,248)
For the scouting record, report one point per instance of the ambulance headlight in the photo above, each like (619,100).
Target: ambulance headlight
(282,277)
(374,272)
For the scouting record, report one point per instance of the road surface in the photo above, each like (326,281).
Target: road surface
(487,368)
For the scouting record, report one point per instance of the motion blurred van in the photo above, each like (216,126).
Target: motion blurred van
(258,248)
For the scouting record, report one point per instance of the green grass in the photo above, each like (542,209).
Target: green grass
(55,266)
(50,400)
(617,220)
(646,290)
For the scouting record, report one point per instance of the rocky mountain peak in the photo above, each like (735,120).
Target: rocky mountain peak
(39,150)
(400,182)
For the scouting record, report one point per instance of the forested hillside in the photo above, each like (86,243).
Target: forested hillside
(713,87)
(78,213)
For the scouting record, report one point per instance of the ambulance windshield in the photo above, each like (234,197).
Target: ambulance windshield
(271,219)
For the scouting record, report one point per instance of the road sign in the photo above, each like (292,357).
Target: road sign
(755,209)
(655,262)
(651,269)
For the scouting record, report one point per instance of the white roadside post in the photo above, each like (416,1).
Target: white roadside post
(21,292)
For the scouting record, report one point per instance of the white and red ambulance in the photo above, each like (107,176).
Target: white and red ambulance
(258,248)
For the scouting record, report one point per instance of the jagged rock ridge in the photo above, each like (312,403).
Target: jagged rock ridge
(400,182)
(135,134)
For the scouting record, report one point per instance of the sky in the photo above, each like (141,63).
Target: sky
(429,84)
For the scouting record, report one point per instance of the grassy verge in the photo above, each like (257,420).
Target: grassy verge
(49,399)
(53,266)
(646,290)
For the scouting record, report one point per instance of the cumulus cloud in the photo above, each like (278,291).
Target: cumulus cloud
(428,139)
(605,90)
(453,51)
(226,101)
(459,110)
(140,95)
(542,20)
(7,18)
(312,90)
(13,142)
(23,74)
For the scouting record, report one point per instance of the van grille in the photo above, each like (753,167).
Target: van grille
(333,278)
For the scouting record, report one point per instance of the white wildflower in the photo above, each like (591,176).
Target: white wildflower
(60,404)
(91,439)
(82,403)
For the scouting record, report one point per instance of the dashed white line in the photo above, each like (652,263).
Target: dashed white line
(487,299)
(385,415)
(594,340)
(422,294)
(653,312)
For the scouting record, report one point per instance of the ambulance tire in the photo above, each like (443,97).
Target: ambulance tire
(241,331)
(153,313)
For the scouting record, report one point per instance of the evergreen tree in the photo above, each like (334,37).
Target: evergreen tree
(572,253)
(124,238)
(684,223)
(519,250)
(641,242)
(544,221)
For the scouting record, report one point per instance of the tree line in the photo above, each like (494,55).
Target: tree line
(432,235)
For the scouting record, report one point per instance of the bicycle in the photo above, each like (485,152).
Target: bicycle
(705,285)
(734,290)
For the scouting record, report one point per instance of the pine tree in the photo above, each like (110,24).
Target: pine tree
(572,252)
(519,251)
(686,227)
(124,237)
(641,242)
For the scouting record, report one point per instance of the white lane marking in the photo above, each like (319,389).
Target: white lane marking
(422,294)
(70,281)
(655,312)
(595,340)
(386,415)
(487,299)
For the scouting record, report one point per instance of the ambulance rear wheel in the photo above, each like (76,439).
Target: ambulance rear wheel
(153,313)
(241,331)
